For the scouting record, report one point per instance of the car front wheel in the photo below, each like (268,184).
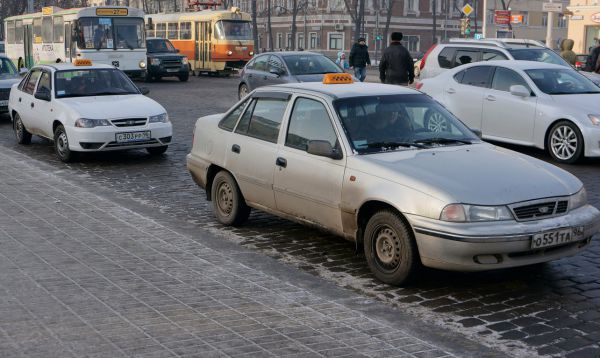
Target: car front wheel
(61,145)
(565,142)
(243,91)
(21,133)
(390,248)
(228,202)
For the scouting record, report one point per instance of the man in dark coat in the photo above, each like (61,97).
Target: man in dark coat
(396,66)
(359,59)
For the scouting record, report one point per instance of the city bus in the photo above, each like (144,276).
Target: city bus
(214,41)
(108,35)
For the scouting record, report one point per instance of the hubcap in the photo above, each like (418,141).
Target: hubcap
(225,198)
(18,128)
(243,91)
(62,144)
(387,248)
(563,142)
(437,123)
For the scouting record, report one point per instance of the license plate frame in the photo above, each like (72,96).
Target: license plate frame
(129,137)
(172,70)
(555,237)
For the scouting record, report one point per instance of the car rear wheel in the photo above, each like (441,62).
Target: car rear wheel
(390,248)
(228,201)
(61,145)
(435,122)
(565,142)
(243,91)
(157,150)
(21,133)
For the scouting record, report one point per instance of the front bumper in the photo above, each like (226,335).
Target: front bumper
(495,245)
(104,138)
(168,71)
(135,73)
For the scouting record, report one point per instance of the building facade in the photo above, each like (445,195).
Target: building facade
(584,24)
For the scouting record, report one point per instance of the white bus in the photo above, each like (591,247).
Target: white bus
(110,35)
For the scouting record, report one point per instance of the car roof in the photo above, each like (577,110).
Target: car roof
(69,66)
(335,91)
(517,64)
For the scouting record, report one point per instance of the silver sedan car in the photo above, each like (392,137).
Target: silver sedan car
(356,159)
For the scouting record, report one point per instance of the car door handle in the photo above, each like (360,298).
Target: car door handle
(281,162)
(490,98)
(32,105)
(236,148)
(450,90)
(19,99)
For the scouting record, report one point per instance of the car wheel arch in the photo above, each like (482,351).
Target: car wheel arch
(55,124)
(553,123)
(211,172)
(367,210)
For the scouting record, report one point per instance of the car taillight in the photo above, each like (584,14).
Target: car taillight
(425,56)
(419,85)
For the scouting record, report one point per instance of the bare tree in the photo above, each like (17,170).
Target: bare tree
(269,28)
(388,18)
(356,9)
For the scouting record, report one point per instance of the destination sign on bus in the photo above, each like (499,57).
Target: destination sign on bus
(111,12)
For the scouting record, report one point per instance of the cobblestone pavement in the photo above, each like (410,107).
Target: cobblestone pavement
(551,309)
(82,276)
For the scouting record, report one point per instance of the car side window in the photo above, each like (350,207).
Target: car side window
(261,64)
(459,76)
(250,65)
(276,64)
(478,76)
(504,78)
(466,56)
(490,55)
(44,83)
(29,86)
(263,119)
(229,121)
(446,57)
(309,121)
(24,82)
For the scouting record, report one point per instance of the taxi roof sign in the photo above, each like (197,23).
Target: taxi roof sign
(337,78)
(82,62)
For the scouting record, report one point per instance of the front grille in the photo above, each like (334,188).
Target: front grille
(129,122)
(562,206)
(171,63)
(4,94)
(129,144)
(539,209)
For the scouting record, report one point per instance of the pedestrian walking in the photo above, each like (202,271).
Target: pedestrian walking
(341,61)
(396,65)
(566,51)
(592,59)
(359,59)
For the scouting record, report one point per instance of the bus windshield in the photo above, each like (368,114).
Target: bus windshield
(93,82)
(233,30)
(111,33)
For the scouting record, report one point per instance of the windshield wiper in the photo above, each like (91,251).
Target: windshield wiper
(443,141)
(394,144)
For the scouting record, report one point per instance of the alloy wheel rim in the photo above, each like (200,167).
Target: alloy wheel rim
(437,123)
(387,248)
(225,198)
(62,144)
(19,129)
(243,91)
(564,142)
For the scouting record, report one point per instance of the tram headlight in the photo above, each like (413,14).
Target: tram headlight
(155,61)
(142,64)
(229,53)
(251,53)
(184,60)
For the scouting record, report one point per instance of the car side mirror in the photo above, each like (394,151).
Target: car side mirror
(144,90)
(43,94)
(519,91)
(323,148)
(23,71)
(477,132)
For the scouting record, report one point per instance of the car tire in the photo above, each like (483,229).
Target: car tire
(61,145)
(228,202)
(21,134)
(435,122)
(565,142)
(157,150)
(184,78)
(243,91)
(390,248)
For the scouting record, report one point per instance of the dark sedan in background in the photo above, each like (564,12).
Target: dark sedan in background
(164,60)
(8,76)
(273,68)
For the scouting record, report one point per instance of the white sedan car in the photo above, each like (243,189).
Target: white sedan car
(526,103)
(84,107)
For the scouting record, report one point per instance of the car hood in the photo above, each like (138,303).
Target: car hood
(479,174)
(578,102)
(122,106)
(8,81)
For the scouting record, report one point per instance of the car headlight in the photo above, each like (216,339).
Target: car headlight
(142,64)
(161,118)
(595,119)
(578,199)
(91,123)
(155,62)
(184,60)
(474,213)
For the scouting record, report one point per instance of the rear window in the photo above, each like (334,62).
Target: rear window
(446,57)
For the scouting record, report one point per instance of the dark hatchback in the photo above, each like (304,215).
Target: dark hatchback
(164,60)
(273,68)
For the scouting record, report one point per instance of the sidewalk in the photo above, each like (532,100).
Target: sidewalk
(81,275)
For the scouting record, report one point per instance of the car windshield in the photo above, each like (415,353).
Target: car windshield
(310,64)
(7,68)
(93,82)
(233,30)
(538,55)
(160,45)
(561,82)
(393,122)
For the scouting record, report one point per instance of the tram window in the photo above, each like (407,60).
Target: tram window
(59,29)
(19,31)
(10,32)
(47,29)
(37,30)
(185,31)
(161,31)
(172,34)
(233,30)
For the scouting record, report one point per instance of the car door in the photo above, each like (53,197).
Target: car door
(25,101)
(277,73)
(504,114)
(257,72)
(464,94)
(252,147)
(41,109)
(306,185)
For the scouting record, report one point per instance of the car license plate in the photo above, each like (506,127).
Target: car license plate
(556,237)
(3,103)
(172,70)
(133,136)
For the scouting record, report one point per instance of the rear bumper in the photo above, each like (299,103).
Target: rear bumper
(198,168)
(487,246)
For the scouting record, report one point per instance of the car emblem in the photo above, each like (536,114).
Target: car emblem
(544,210)
(130,123)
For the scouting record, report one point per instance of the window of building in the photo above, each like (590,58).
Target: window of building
(288,42)
(280,41)
(59,29)
(314,40)
(173,31)
(300,41)
(161,30)
(411,42)
(412,5)
(562,21)
(185,31)
(336,41)
(545,19)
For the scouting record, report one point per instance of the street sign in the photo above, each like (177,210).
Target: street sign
(552,7)
(478,36)
(502,17)
(467,9)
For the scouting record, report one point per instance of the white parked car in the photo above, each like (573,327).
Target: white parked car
(84,108)
(357,159)
(521,102)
